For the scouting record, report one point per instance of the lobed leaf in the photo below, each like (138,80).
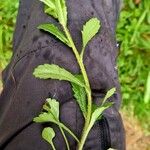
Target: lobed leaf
(48,71)
(52,114)
(90,29)
(54,107)
(45,117)
(54,31)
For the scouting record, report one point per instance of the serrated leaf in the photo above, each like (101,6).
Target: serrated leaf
(45,117)
(90,29)
(61,11)
(51,11)
(49,3)
(48,71)
(96,114)
(46,108)
(64,10)
(54,31)
(109,94)
(54,107)
(48,135)
(50,8)
(57,9)
(80,95)
(106,105)
(52,114)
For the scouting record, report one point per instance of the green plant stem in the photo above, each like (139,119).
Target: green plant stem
(83,139)
(85,133)
(62,126)
(69,131)
(66,141)
(82,53)
(88,89)
(53,147)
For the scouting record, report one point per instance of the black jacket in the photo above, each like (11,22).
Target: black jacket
(24,95)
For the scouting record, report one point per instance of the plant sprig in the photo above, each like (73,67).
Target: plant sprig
(80,83)
(51,114)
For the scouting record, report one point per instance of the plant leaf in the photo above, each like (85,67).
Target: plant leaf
(49,3)
(109,94)
(80,95)
(147,91)
(96,114)
(61,11)
(54,31)
(57,9)
(48,134)
(50,8)
(51,11)
(52,114)
(45,117)
(54,107)
(48,71)
(64,9)
(89,30)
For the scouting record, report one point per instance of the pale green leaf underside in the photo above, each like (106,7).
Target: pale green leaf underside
(51,12)
(54,107)
(90,29)
(49,3)
(109,94)
(80,96)
(64,10)
(48,71)
(57,9)
(54,31)
(50,8)
(48,134)
(61,11)
(96,114)
(45,117)
(52,114)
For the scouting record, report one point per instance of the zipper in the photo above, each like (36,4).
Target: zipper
(104,134)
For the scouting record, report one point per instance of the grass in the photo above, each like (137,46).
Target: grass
(8,12)
(133,34)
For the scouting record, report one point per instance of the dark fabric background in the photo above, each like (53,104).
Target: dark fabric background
(24,95)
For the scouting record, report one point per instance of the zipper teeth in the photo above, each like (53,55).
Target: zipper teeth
(104,134)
